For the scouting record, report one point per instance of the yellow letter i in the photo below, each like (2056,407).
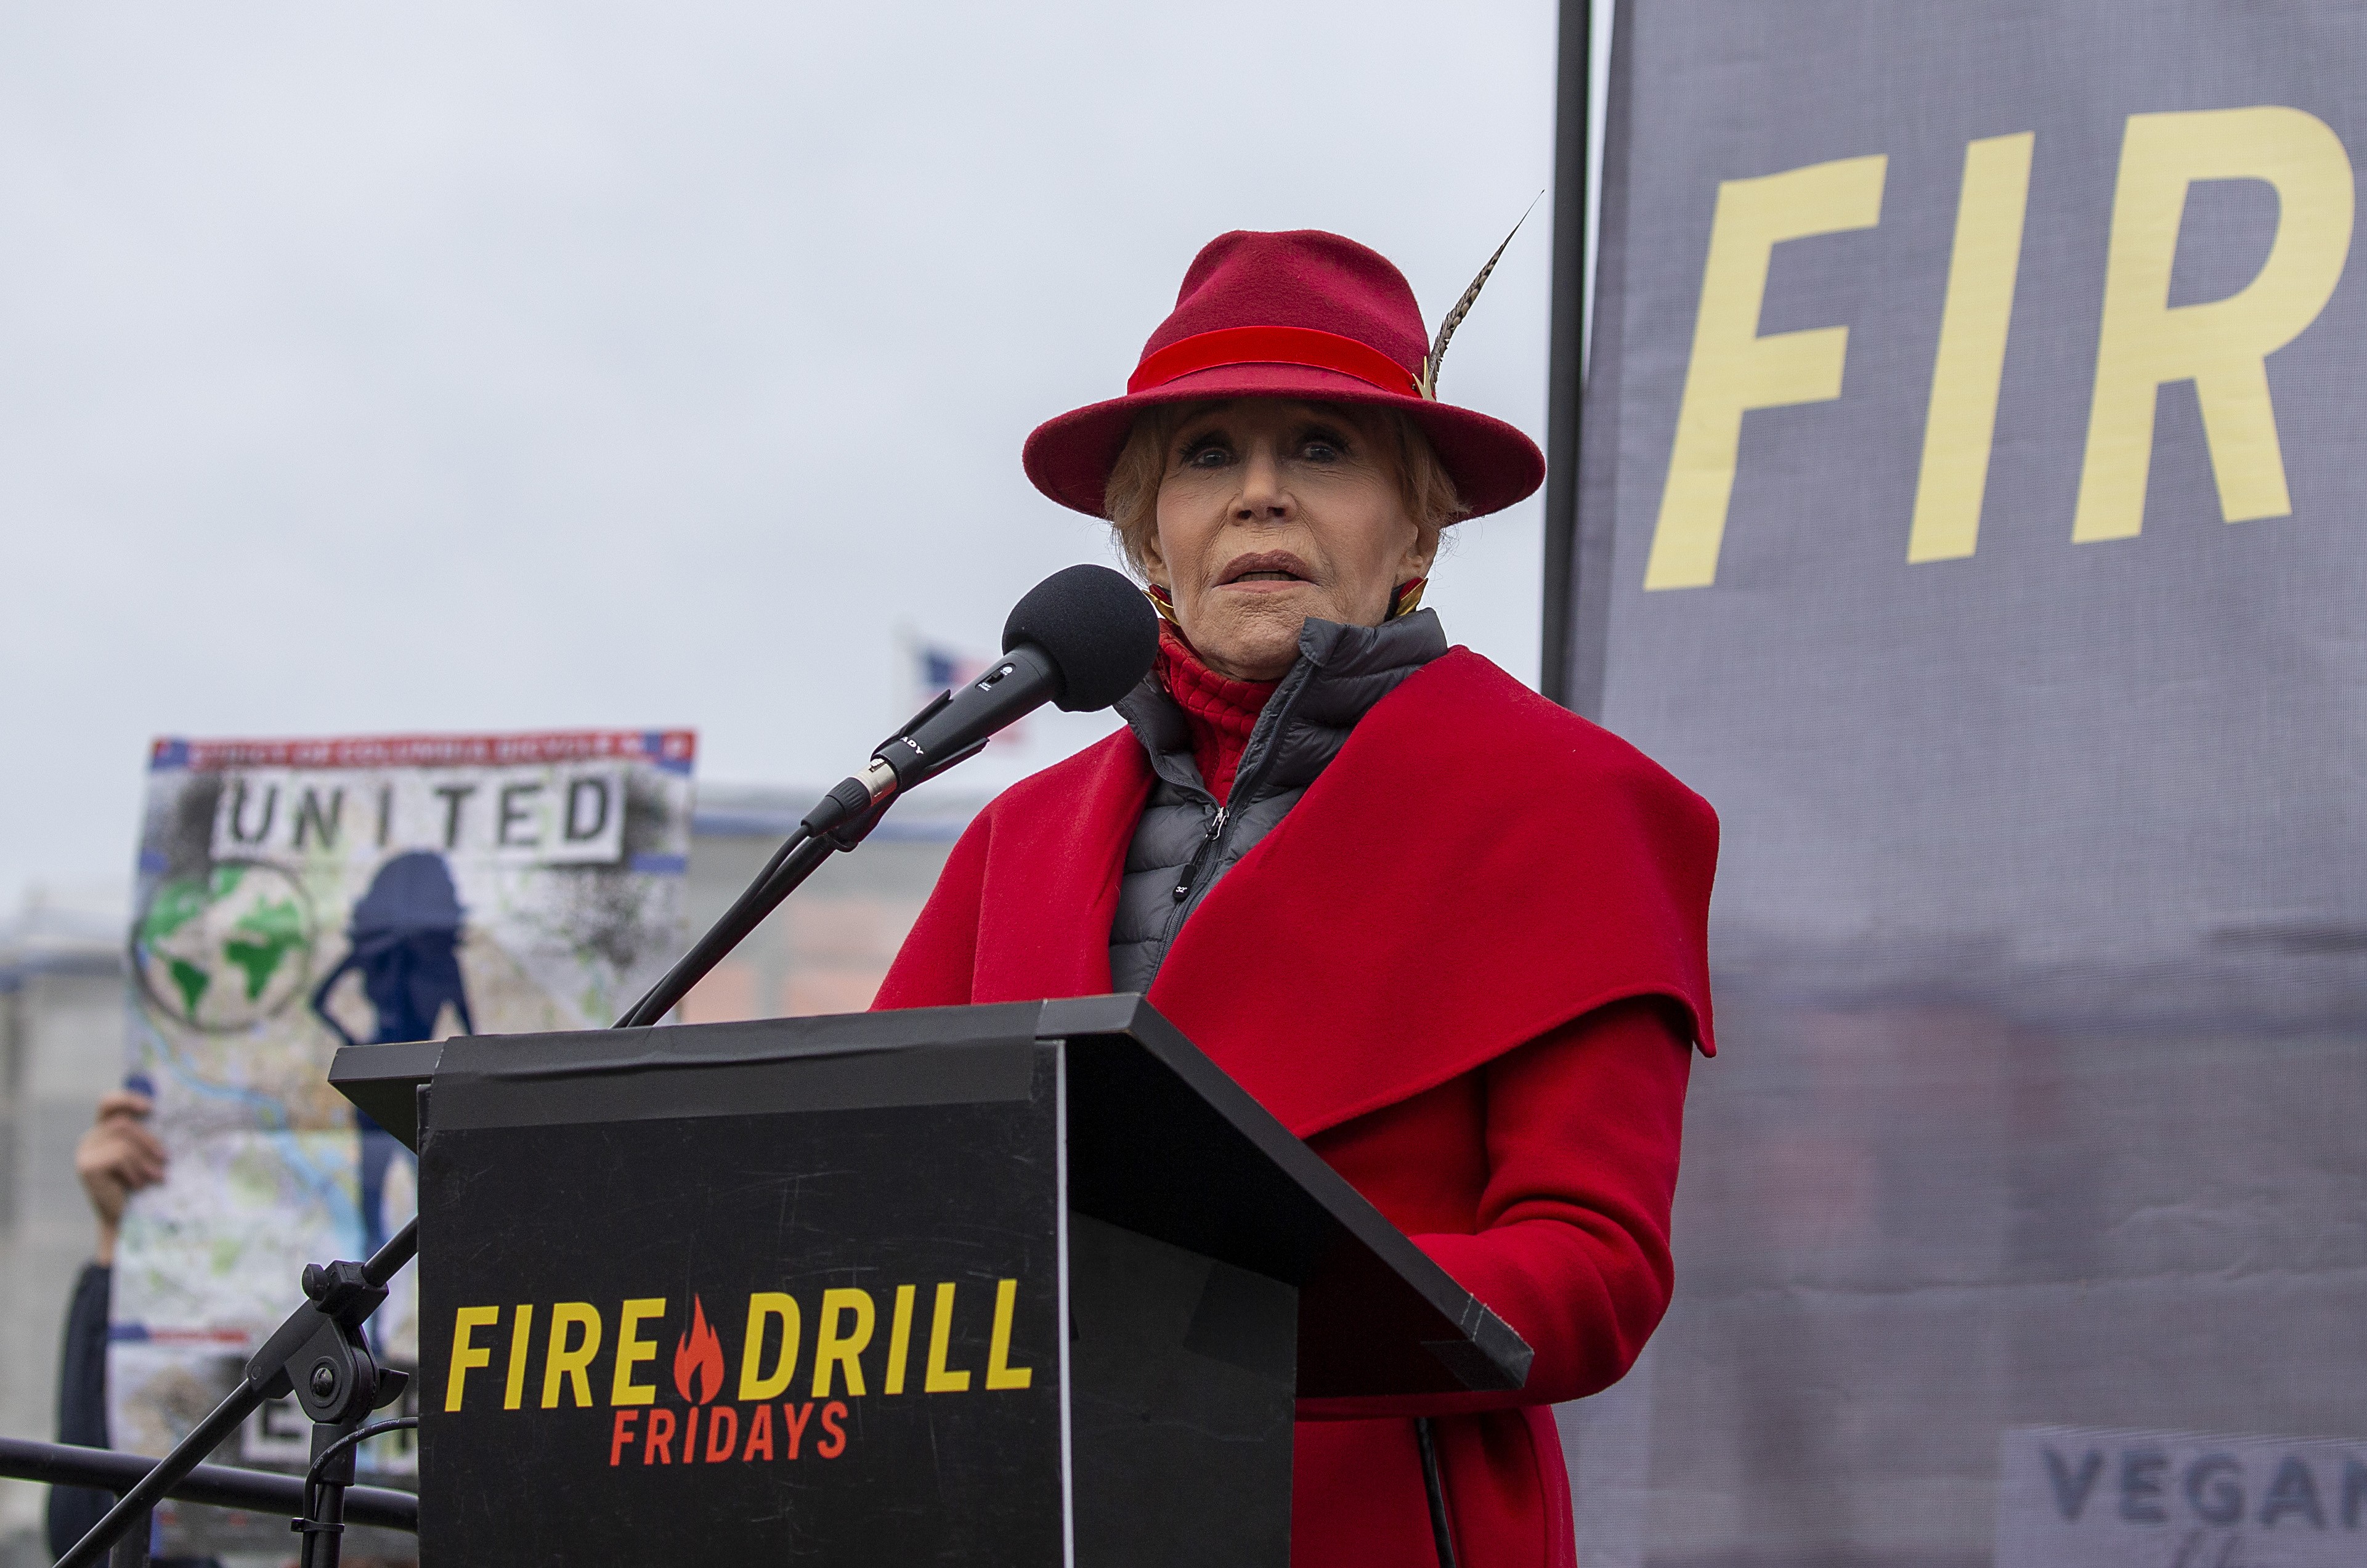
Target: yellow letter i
(1971,362)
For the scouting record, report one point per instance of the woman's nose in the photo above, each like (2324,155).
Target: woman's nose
(1262,495)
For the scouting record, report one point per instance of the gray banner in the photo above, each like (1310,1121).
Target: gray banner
(1971,513)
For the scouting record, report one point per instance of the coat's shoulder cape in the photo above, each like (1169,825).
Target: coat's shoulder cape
(1476,867)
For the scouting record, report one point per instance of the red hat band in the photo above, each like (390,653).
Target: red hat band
(1303,346)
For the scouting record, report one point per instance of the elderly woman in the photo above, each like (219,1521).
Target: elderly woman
(1449,934)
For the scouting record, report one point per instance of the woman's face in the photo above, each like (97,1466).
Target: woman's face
(1270,512)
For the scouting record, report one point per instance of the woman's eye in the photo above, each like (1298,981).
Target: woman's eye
(1321,446)
(1207,454)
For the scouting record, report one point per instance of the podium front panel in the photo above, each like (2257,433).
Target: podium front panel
(810,1311)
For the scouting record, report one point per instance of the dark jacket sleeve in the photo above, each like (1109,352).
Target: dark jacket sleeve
(82,1404)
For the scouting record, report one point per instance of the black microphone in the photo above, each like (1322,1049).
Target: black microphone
(1080,638)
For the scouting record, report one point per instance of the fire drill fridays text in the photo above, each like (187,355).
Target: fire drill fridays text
(844,1328)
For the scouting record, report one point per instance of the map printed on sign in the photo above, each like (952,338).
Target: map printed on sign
(297,896)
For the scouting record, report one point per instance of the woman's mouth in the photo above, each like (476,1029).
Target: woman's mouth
(1266,566)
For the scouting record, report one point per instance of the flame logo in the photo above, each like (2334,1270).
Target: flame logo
(698,1356)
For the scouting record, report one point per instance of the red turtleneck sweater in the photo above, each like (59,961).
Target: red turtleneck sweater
(1221,711)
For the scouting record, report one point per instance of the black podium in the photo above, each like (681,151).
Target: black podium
(1025,1284)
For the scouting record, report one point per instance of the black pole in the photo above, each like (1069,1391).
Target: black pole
(219,1487)
(1433,1487)
(1567,366)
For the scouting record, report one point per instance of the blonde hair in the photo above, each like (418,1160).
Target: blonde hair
(1130,496)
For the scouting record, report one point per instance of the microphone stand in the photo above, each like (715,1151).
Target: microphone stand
(319,1353)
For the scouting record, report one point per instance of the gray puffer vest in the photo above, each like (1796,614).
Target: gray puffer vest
(1186,841)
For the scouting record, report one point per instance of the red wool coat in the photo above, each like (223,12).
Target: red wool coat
(1468,968)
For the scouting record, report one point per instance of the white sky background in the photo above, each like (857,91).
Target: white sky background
(370,369)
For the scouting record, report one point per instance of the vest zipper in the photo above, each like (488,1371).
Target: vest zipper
(1246,783)
(1200,856)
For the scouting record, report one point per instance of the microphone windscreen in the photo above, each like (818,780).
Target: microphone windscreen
(1097,627)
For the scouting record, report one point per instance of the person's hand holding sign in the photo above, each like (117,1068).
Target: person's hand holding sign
(115,1159)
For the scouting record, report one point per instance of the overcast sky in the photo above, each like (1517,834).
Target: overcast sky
(370,370)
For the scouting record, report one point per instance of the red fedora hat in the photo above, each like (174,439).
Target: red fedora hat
(1305,315)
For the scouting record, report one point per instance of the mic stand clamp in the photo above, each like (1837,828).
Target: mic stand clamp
(337,1382)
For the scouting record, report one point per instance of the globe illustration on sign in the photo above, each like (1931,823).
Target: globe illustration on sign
(224,950)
